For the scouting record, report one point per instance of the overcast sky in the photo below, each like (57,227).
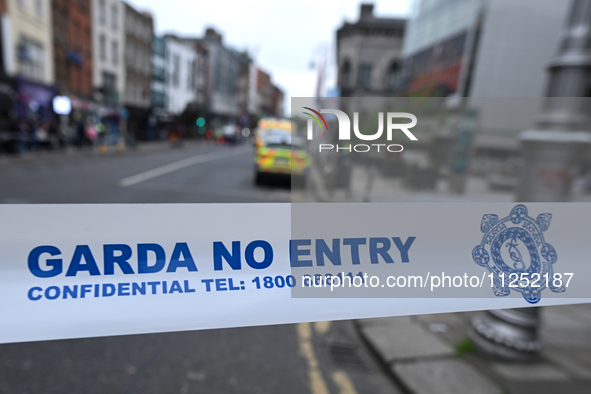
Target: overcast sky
(284,36)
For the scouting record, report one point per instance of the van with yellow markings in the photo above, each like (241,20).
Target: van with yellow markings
(279,153)
(268,126)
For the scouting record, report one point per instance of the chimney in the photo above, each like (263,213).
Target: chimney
(213,35)
(366,11)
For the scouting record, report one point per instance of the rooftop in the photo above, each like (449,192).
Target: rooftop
(368,24)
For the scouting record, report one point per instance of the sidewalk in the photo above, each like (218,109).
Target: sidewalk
(431,354)
(367,185)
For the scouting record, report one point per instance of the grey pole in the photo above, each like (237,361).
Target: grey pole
(552,153)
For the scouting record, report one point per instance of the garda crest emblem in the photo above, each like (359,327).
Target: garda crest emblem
(513,249)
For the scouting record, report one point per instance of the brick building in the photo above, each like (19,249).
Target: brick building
(72,41)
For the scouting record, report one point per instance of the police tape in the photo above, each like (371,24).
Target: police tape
(70,271)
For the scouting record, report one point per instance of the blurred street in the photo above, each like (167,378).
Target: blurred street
(151,102)
(317,357)
(85,177)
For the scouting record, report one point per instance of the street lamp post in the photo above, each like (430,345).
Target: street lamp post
(551,154)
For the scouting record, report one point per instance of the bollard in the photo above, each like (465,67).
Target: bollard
(507,333)
(551,156)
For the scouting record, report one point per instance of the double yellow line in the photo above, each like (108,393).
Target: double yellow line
(317,383)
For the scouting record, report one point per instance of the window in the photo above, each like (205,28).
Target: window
(109,80)
(201,68)
(77,38)
(129,53)
(86,44)
(159,47)
(102,47)
(158,73)
(345,74)
(144,66)
(130,91)
(82,5)
(134,59)
(102,11)
(147,62)
(158,99)
(190,81)
(115,52)
(141,64)
(139,60)
(31,59)
(114,17)
(138,29)
(77,78)
(393,76)
(39,8)
(364,76)
(176,65)
(109,85)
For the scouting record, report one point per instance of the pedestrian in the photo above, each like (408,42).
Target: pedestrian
(91,134)
(42,136)
(23,137)
(32,135)
(54,140)
(80,135)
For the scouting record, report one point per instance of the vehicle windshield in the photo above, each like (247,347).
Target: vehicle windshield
(280,139)
(275,134)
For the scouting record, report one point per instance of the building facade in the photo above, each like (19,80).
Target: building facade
(369,55)
(264,94)
(28,57)
(224,68)
(7,86)
(107,55)
(72,39)
(201,75)
(440,40)
(491,57)
(277,103)
(139,30)
(29,49)
(182,68)
(243,85)
(480,48)
(159,73)
(3,23)
(229,86)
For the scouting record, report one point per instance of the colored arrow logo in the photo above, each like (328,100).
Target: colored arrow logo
(315,118)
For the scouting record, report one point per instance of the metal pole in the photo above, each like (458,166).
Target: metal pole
(551,154)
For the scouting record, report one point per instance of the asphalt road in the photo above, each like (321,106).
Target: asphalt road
(317,358)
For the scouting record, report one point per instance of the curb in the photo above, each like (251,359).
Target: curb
(420,361)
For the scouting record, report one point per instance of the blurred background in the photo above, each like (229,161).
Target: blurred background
(106,101)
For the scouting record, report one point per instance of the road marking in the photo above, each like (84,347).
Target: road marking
(179,165)
(322,327)
(317,384)
(344,383)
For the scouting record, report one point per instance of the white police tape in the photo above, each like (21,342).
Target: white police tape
(69,271)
